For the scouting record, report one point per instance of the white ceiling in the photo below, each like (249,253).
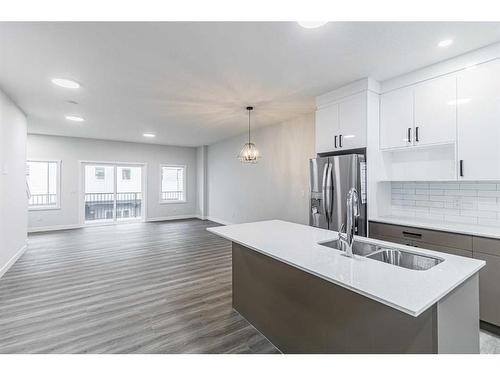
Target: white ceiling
(190,82)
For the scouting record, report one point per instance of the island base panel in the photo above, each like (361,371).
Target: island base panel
(458,319)
(302,313)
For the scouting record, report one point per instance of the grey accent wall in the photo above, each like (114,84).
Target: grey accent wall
(73,150)
(275,188)
(13,199)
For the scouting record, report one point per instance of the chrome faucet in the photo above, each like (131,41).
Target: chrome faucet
(346,239)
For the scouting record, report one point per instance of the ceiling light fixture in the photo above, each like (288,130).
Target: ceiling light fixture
(445,43)
(312,24)
(75,118)
(149,135)
(66,83)
(249,153)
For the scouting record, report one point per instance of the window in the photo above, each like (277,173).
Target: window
(173,183)
(43,184)
(125,174)
(99,173)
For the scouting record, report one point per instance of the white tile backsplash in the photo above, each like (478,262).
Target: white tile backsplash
(459,202)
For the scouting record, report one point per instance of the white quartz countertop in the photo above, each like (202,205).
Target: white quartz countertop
(470,229)
(407,290)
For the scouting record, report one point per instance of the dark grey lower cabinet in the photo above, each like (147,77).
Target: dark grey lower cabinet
(487,249)
(489,288)
(444,249)
(426,239)
(393,239)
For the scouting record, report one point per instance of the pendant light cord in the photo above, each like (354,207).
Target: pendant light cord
(249,126)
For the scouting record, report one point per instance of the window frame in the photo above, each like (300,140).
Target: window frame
(184,167)
(57,206)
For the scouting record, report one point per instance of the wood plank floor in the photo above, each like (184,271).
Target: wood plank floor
(137,288)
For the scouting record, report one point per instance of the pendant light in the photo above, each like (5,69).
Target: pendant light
(249,153)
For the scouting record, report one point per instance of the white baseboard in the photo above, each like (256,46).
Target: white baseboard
(219,221)
(12,260)
(54,227)
(173,217)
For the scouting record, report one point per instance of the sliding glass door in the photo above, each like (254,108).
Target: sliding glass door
(112,192)
(128,192)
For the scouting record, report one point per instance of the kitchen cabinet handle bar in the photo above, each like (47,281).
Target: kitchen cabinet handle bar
(340,140)
(461,164)
(412,235)
(335,141)
(409,135)
(416,134)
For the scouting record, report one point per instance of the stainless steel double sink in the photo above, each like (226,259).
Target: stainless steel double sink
(397,257)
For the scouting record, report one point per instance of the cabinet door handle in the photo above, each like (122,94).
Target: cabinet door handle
(409,135)
(461,164)
(340,140)
(335,141)
(416,134)
(412,235)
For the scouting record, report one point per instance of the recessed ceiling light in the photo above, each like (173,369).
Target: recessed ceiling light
(445,43)
(66,83)
(312,24)
(149,135)
(75,118)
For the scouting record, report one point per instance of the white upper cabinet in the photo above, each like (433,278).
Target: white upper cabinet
(422,114)
(342,125)
(435,111)
(352,122)
(478,109)
(396,118)
(327,128)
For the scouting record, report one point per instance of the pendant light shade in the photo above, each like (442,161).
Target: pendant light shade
(249,153)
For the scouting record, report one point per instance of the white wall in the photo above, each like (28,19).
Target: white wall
(13,200)
(72,150)
(275,188)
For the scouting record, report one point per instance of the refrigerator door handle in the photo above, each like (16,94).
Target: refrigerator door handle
(329,194)
(323,191)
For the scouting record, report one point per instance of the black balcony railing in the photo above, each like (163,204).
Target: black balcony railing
(42,200)
(172,196)
(100,206)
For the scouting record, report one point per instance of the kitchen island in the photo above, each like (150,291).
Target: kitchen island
(306,297)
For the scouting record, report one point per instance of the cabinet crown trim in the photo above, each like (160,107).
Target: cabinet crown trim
(356,87)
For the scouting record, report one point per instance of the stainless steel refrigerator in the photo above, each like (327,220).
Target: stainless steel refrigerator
(331,179)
